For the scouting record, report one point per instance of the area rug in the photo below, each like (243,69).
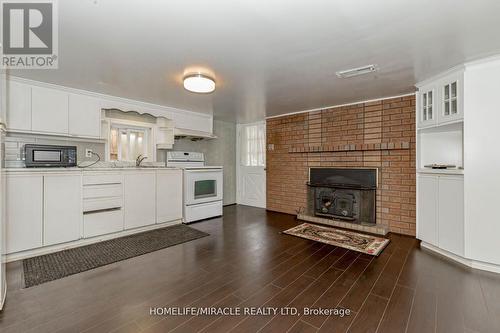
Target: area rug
(57,265)
(347,239)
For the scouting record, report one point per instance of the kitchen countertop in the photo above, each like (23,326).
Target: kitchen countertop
(89,169)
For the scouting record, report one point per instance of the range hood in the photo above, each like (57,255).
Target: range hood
(192,134)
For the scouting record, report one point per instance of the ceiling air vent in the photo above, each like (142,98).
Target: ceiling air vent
(357,71)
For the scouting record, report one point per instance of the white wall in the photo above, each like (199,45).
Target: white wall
(482,161)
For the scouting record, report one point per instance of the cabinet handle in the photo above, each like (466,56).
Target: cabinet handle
(101,210)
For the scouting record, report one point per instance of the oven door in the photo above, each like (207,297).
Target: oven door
(202,185)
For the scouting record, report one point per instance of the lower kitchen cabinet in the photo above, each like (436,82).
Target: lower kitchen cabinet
(427,198)
(440,211)
(451,214)
(168,195)
(139,198)
(46,208)
(62,214)
(24,212)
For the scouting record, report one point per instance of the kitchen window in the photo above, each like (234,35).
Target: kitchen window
(252,145)
(126,143)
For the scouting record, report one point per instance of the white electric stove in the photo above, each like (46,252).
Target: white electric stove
(202,185)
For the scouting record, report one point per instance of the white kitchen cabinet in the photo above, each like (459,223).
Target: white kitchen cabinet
(451,214)
(168,195)
(440,100)
(102,223)
(62,214)
(49,110)
(18,106)
(426,106)
(427,208)
(440,211)
(451,99)
(139,198)
(84,116)
(102,204)
(24,201)
(164,133)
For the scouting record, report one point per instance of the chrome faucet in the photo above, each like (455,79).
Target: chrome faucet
(139,160)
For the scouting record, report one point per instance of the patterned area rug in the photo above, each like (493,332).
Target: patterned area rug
(347,239)
(57,265)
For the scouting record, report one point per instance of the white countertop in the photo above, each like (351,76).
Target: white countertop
(89,169)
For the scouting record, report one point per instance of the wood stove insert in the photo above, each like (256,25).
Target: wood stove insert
(345,194)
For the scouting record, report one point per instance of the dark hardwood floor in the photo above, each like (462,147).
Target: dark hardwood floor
(246,262)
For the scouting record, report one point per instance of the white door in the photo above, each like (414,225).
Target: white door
(251,164)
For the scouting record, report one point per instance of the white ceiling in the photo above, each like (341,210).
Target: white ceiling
(269,56)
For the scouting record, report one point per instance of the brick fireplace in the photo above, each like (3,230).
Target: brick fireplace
(378,134)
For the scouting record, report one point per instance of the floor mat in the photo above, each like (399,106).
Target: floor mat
(347,239)
(57,265)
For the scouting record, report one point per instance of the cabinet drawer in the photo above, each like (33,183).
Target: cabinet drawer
(102,179)
(90,205)
(102,191)
(101,223)
(202,211)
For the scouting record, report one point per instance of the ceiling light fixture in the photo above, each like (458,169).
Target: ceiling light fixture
(199,83)
(357,71)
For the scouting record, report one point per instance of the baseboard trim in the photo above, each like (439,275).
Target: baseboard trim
(475,264)
(59,247)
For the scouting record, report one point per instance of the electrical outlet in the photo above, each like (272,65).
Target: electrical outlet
(88,152)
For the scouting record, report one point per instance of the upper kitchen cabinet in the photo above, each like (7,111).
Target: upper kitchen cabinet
(84,116)
(39,108)
(451,108)
(49,110)
(18,106)
(164,133)
(427,106)
(440,100)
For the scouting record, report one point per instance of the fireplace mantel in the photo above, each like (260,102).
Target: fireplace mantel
(399,145)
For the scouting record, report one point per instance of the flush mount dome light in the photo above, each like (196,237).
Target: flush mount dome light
(199,83)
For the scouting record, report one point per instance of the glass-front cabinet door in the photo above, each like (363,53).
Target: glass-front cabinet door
(451,100)
(426,106)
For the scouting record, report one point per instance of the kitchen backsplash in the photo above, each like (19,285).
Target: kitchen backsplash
(14,147)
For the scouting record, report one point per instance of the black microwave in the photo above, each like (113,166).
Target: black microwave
(49,156)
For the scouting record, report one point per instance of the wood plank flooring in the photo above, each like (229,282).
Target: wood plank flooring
(247,263)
